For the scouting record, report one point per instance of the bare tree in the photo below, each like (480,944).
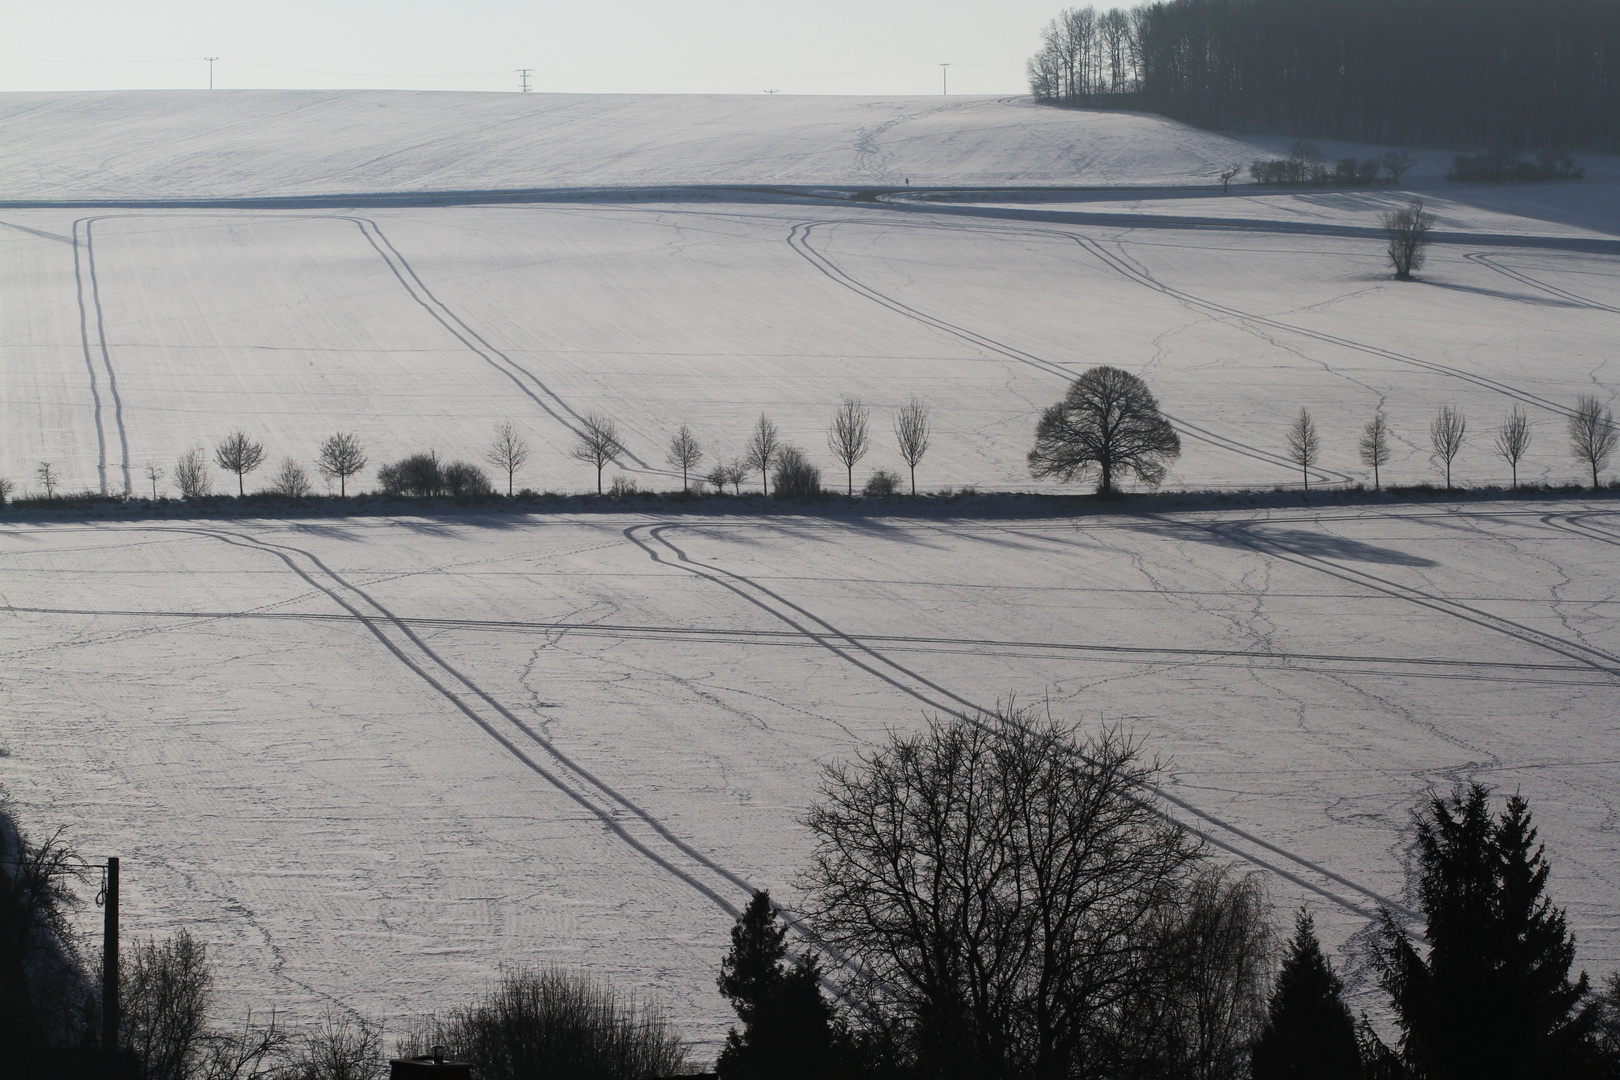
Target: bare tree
(684,453)
(994,882)
(253,1052)
(164,991)
(48,478)
(1304,445)
(1408,231)
(912,431)
(737,473)
(597,443)
(6,488)
(239,454)
(1398,163)
(340,1048)
(1591,434)
(762,448)
(1109,420)
(291,480)
(339,458)
(191,474)
(1447,433)
(154,473)
(1227,174)
(1374,445)
(719,475)
(508,451)
(849,437)
(1513,440)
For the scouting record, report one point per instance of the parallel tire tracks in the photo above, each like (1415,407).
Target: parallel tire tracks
(82,269)
(625,819)
(1486,259)
(799,240)
(1218,833)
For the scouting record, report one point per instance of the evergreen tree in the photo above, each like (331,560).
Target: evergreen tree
(787,1024)
(1493,997)
(1309,1032)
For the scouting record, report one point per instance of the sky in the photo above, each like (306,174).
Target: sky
(614,46)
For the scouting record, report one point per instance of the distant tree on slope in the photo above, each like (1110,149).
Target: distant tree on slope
(1592,434)
(1108,421)
(1513,440)
(1408,231)
(1374,446)
(1304,445)
(339,458)
(236,453)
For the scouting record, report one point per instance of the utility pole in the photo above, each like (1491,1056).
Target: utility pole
(523,78)
(109,962)
(944,81)
(210,60)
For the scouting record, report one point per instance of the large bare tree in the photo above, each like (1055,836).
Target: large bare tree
(508,451)
(912,432)
(1374,446)
(597,443)
(1109,420)
(339,458)
(1304,444)
(849,437)
(1408,231)
(1513,440)
(1447,434)
(684,453)
(764,443)
(993,881)
(239,454)
(1591,434)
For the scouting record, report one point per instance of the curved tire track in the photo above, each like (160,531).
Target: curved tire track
(799,240)
(1484,258)
(937,697)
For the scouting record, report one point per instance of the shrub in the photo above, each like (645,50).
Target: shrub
(464,479)
(795,477)
(622,486)
(882,482)
(555,1023)
(6,488)
(191,475)
(291,480)
(418,475)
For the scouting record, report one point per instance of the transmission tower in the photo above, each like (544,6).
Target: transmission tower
(523,78)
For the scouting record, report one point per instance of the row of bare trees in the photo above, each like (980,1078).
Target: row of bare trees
(1590,427)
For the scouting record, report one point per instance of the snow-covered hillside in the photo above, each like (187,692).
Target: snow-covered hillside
(201,144)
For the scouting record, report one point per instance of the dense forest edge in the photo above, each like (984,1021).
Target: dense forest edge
(1505,75)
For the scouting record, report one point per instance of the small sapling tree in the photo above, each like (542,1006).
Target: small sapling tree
(684,453)
(1227,174)
(1374,446)
(764,443)
(1109,420)
(912,432)
(1408,231)
(1304,445)
(191,474)
(849,438)
(508,451)
(1447,434)
(154,473)
(596,443)
(339,458)
(291,480)
(1591,434)
(1513,440)
(737,473)
(719,476)
(48,478)
(236,453)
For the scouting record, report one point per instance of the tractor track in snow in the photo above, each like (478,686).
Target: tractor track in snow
(1220,834)
(79,274)
(1486,259)
(625,819)
(799,240)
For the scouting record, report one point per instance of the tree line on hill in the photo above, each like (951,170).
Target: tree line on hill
(1507,74)
(996,897)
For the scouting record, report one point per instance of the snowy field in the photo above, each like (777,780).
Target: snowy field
(372,760)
